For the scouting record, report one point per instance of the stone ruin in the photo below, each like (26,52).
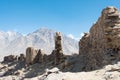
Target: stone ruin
(10,58)
(38,56)
(101,45)
(58,52)
(30,55)
(21,57)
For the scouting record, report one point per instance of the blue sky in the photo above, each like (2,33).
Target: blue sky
(68,16)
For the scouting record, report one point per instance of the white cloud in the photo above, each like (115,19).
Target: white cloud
(70,36)
(76,38)
(81,35)
(73,37)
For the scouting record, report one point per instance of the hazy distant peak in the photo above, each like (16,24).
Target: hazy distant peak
(44,29)
(12,33)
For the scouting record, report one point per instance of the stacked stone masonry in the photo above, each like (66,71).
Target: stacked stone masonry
(102,44)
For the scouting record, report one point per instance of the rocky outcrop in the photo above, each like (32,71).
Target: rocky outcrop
(21,57)
(102,44)
(10,58)
(30,55)
(58,52)
(40,56)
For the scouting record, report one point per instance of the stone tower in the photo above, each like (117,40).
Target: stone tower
(58,52)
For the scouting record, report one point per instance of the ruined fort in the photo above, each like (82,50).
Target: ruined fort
(97,48)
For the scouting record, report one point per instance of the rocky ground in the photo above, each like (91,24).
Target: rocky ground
(34,72)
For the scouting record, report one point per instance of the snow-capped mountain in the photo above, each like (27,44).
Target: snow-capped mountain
(43,38)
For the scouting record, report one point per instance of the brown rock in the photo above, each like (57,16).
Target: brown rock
(30,55)
(58,52)
(22,57)
(18,73)
(10,58)
(102,44)
(40,56)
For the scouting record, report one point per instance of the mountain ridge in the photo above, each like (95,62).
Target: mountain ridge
(41,38)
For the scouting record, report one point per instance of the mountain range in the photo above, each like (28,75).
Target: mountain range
(15,43)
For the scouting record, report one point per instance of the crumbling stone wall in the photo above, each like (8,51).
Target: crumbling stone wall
(38,56)
(30,55)
(58,52)
(102,44)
